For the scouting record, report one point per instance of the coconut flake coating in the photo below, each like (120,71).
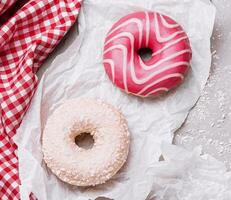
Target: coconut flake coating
(76,165)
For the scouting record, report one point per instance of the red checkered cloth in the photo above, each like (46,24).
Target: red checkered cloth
(27,36)
(5,4)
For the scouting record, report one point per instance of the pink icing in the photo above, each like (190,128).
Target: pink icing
(170,58)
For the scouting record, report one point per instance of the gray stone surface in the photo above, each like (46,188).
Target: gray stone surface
(209,122)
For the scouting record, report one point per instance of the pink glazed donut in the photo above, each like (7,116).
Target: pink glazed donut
(170,54)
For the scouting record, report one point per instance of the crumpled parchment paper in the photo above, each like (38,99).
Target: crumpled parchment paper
(189,175)
(76,70)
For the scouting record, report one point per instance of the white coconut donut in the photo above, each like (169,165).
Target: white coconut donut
(76,165)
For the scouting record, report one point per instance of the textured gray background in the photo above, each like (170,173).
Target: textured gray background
(209,122)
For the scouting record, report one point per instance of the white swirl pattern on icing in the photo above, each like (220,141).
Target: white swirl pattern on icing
(134,20)
(161,79)
(166,24)
(168,41)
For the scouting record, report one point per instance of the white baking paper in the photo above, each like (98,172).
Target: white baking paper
(190,176)
(76,70)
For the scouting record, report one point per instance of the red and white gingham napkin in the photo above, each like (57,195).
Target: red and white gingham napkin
(5,4)
(27,36)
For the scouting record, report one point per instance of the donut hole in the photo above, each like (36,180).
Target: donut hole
(145,53)
(84,140)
